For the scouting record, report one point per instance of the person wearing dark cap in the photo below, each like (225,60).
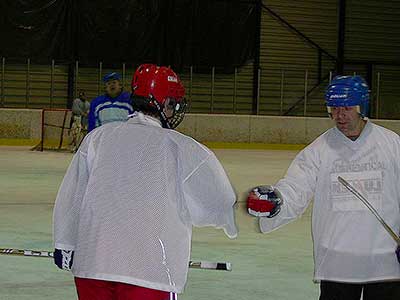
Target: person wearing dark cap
(113,105)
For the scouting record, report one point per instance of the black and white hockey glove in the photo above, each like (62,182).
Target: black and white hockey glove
(64,259)
(398,254)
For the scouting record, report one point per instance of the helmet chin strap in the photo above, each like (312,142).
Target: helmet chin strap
(163,117)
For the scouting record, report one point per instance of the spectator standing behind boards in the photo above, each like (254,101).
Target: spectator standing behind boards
(80,111)
(114,105)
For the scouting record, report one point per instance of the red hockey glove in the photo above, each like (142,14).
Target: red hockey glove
(262,201)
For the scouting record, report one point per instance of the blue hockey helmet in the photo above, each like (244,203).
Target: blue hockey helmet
(348,91)
(111,76)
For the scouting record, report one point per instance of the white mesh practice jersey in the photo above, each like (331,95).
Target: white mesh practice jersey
(129,200)
(350,245)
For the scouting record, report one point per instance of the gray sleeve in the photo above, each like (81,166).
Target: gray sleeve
(76,107)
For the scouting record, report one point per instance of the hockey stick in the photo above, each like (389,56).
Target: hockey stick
(206,265)
(224,266)
(371,208)
(26,252)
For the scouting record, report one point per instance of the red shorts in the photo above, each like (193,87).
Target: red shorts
(93,289)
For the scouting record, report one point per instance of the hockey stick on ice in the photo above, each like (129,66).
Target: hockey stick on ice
(26,252)
(224,266)
(206,265)
(371,208)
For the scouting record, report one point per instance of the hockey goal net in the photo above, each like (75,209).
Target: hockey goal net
(54,130)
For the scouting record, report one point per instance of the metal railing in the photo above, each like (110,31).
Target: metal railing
(281,92)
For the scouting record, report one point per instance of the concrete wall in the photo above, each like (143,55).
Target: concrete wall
(261,129)
(20,123)
(254,129)
(25,124)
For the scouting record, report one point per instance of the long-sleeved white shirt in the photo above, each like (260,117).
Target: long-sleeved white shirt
(350,245)
(129,200)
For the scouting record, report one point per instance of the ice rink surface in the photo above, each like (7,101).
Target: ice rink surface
(275,266)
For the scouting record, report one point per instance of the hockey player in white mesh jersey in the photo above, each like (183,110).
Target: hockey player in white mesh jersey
(353,254)
(124,212)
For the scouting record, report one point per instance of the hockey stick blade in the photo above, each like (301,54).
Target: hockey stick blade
(347,185)
(206,265)
(224,266)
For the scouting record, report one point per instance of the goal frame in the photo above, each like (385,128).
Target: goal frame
(41,145)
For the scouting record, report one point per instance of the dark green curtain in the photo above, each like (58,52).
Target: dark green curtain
(169,32)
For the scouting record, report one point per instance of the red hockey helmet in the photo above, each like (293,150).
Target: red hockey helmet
(159,84)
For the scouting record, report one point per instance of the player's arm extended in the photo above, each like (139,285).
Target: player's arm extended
(288,199)
(209,196)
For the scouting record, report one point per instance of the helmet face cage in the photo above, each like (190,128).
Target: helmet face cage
(179,114)
(162,87)
(345,91)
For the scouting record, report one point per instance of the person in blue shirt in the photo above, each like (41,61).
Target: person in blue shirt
(114,105)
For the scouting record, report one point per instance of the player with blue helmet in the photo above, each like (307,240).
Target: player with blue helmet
(347,101)
(347,91)
(353,254)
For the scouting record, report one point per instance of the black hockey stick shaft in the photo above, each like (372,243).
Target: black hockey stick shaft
(21,252)
(206,265)
(371,208)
